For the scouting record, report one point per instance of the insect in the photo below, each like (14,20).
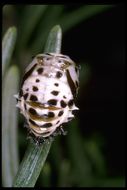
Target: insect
(46,99)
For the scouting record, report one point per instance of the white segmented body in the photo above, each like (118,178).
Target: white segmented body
(48,89)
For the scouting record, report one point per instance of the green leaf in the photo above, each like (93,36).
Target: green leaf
(31,165)
(81,14)
(80,162)
(45,175)
(95,156)
(32,15)
(114,182)
(50,18)
(110,182)
(9,127)
(54,40)
(35,156)
(8,44)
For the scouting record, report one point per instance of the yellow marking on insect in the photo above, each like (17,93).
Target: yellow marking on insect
(41,118)
(42,106)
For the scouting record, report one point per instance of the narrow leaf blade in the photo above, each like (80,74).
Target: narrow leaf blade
(81,14)
(54,40)
(9,127)
(8,44)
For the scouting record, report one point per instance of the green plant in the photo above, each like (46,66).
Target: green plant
(10,82)
(35,156)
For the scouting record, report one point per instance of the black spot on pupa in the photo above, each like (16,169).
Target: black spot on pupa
(58,74)
(32,111)
(17,99)
(71,83)
(25,96)
(32,122)
(48,54)
(25,107)
(33,98)
(55,93)
(70,103)
(40,70)
(56,84)
(74,112)
(57,122)
(76,70)
(21,93)
(63,104)
(64,97)
(35,88)
(52,102)
(60,61)
(70,118)
(46,125)
(27,89)
(77,84)
(45,116)
(62,56)
(51,114)
(33,56)
(64,124)
(27,74)
(47,58)
(37,80)
(60,113)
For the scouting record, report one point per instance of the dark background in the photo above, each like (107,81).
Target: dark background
(101,41)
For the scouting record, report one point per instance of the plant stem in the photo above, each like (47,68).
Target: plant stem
(31,165)
(35,156)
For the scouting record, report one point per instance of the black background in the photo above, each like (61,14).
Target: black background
(101,41)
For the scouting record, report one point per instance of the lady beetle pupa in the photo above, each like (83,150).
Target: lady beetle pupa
(46,99)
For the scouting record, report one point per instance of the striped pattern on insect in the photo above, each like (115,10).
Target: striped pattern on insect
(46,99)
